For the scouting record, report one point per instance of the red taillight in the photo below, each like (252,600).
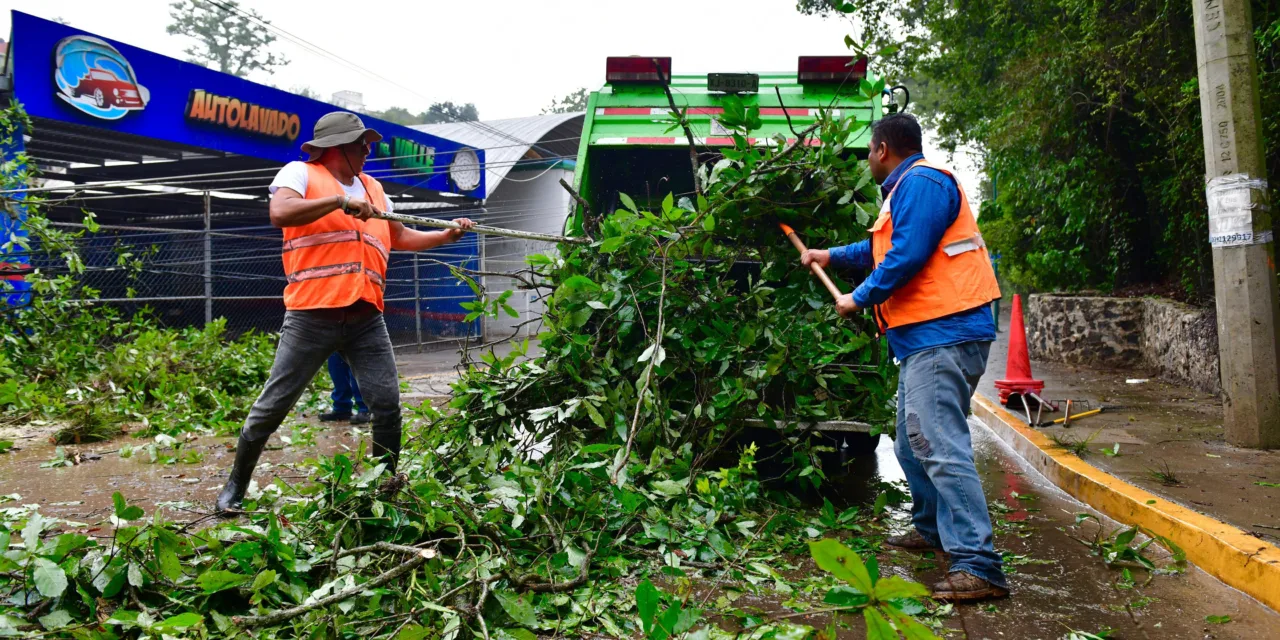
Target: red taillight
(831,69)
(637,69)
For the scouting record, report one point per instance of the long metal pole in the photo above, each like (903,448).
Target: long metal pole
(1240,225)
(208,260)
(417,302)
(482,229)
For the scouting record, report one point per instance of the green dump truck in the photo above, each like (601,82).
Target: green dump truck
(629,145)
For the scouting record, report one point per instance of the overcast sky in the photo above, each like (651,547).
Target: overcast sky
(509,57)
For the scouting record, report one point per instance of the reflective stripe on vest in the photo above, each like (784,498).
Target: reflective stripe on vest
(338,259)
(956,277)
(326,271)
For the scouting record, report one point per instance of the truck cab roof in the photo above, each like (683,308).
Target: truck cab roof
(632,144)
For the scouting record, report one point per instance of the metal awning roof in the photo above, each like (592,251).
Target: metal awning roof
(512,142)
(173,177)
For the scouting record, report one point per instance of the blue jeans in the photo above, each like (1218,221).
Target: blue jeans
(345,390)
(934,448)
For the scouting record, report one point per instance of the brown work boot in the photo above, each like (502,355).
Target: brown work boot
(959,586)
(911,541)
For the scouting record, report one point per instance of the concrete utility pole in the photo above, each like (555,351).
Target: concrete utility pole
(1240,228)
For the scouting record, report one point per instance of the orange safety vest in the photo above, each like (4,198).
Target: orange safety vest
(957,277)
(334,261)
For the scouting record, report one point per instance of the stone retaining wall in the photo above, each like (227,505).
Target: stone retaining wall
(1178,341)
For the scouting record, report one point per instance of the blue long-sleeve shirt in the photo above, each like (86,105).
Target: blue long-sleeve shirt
(925,204)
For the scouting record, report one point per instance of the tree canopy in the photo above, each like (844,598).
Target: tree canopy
(228,38)
(438,112)
(573,102)
(1088,118)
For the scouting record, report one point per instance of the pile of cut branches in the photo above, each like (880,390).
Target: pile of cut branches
(551,482)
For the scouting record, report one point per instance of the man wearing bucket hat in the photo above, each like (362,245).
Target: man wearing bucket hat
(335,262)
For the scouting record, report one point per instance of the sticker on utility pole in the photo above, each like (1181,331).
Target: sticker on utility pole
(1232,201)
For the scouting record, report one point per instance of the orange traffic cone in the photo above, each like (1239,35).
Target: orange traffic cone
(1017,371)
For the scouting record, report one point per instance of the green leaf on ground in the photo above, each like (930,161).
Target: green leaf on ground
(647,600)
(179,623)
(518,607)
(264,579)
(50,579)
(842,562)
(218,580)
(125,511)
(893,588)
(877,627)
(56,620)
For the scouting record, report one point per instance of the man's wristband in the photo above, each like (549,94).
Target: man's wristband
(343,202)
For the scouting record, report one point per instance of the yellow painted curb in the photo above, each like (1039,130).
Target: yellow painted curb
(1233,556)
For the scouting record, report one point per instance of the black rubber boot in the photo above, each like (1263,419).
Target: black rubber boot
(247,454)
(386,445)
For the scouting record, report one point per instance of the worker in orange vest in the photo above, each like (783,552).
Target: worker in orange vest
(335,263)
(930,289)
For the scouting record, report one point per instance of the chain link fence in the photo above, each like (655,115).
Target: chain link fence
(187,277)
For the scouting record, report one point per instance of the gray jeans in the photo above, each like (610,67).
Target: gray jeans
(306,341)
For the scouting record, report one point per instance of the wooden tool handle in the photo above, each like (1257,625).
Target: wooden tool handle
(813,266)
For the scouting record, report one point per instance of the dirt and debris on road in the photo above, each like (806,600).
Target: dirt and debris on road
(1058,583)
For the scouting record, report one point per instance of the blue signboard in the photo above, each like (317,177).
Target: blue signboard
(65,74)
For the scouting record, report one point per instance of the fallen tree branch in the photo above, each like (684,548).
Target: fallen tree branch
(696,564)
(532,582)
(288,614)
(764,167)
(648,373)
(767,164)
(684,124)
(484,595)
(392,548)
(514,275)
(587,216)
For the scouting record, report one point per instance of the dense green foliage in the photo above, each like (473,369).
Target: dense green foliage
(611,456)
(94,369)
(652,336)
(1088,115)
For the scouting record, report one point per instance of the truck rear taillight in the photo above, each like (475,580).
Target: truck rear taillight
(831,69)
(637,70)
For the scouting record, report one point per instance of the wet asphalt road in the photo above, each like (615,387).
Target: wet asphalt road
(1058,583)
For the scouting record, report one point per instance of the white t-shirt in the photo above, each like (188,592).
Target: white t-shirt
(294,176)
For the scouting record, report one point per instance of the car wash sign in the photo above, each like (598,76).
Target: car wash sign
(67,75)
(238,116)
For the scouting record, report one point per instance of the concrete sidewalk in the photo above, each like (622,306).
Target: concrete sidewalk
(1161,428)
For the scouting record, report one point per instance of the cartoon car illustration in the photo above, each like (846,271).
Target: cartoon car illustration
(93,77)
(106,89)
